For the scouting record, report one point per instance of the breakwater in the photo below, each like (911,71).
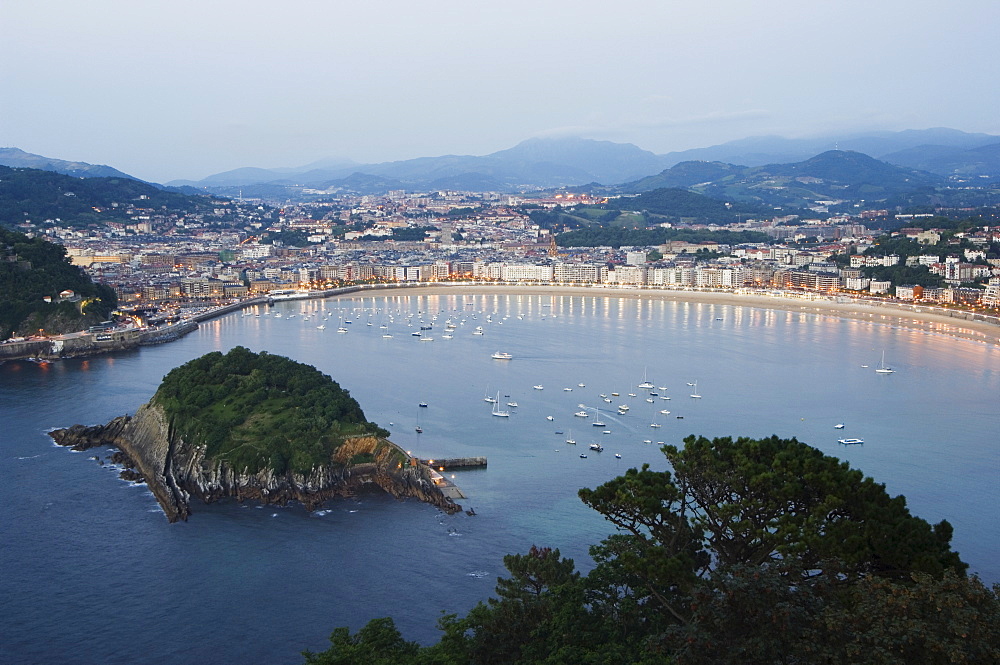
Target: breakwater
(452,463)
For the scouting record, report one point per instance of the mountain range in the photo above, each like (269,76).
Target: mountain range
(16,158)
(545,163)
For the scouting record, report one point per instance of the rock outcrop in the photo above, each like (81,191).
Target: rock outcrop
(178,472)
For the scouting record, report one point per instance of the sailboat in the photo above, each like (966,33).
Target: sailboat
(496,408)
(882,367)
(695,393)
(598,422)
(570,440)
(646,383)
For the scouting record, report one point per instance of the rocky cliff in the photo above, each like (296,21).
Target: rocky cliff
(177,471)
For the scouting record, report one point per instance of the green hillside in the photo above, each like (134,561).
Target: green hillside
(258,411)
(34,195)
(33,268)
(832,175)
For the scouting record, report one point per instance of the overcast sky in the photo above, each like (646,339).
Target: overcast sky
(183,89)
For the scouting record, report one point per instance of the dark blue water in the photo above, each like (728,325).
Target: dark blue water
(91,572)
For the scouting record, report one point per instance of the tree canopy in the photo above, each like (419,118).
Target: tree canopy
(36,195)
(33,268)
(257,410)
(748,551)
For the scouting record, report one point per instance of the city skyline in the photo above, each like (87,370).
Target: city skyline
(187,90)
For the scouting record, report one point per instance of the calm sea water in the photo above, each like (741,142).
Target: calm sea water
(93,573)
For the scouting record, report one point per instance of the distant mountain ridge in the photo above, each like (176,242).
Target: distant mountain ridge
(548,163)
(17,158)
(832,175)
(570,162)
(761,150)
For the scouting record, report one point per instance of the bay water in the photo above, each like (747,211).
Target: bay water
(91,572)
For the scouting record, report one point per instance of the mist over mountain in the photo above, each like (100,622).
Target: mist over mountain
(983,161)
(761,150)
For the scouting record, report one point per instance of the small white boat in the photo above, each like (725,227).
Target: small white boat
(581,414)
(342,330)
(850,442)
(426,339)
(664,412)
(882,367)
(320,327)
(581,385)
(655,425)
(567,389)
(549,418)
(618,455)
(496,409)
(839,426)
(583,456)
(511,403)
(646,383)
(501,355)
(596,446)
(650,400)
(695,393)
(539,387)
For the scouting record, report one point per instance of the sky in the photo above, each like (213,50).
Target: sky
(184,89)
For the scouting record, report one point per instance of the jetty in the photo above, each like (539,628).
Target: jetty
(452,463)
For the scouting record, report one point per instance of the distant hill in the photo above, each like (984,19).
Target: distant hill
(549,163)
(832,175)
(762,150)
(538,162)
(17,158)
(949,160)
(35,195)
(685,174)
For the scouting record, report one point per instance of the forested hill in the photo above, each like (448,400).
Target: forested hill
(34,195)
(33,268)
(598,236)
(257,411)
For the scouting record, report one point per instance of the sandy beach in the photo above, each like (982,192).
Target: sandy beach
(921,317)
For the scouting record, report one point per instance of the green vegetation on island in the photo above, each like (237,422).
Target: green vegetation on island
(257,411)
(33,269)
(749,551)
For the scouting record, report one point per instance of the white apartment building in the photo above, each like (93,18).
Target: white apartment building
(579,272)
(632,274)
(526,272)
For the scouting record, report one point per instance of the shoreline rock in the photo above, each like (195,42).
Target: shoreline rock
(176,471)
